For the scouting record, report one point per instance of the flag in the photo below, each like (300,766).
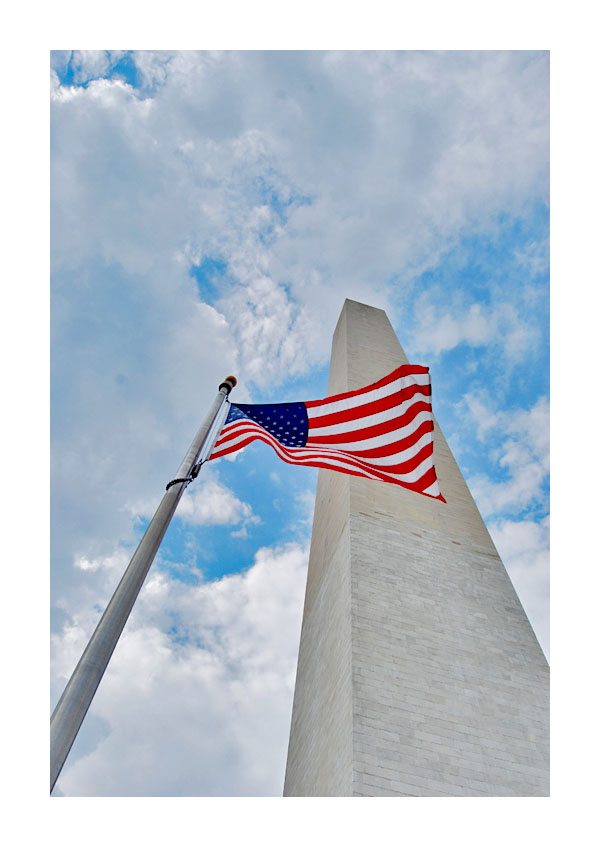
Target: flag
(383,431)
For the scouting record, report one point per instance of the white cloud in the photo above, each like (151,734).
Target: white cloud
(205,502)
(534,257)
(206,711)
(524,456)
(269,329)
(305,507)
(312,177)
(439,331)
(524,547)
(533,427)
(89,64)
(213,503)
(192,166)
(497,326)
(484,417)
(109,563)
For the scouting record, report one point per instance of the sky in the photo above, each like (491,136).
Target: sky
(210,212)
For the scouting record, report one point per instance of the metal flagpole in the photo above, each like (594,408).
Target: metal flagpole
(79,692)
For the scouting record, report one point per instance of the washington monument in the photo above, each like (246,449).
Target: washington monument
(418,671)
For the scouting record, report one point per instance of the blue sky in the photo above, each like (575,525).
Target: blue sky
(210,213)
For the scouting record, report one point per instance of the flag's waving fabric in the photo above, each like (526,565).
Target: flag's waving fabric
(383,431)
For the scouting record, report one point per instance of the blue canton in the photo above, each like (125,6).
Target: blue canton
(288,422)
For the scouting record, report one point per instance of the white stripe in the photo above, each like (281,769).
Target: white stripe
(434,489)
(401,455)
(303,455)
(416,474)
(368,420)
(248,429)
(356,425)
(377,440)
(411,477)
(368,396)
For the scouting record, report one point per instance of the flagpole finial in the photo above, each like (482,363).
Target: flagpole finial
(228,383)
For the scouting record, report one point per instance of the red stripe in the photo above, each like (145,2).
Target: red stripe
(367,409)
(254,431)
(236,428)
(366,472)
(232,430)
(356,458)
(262,435)
(426,480)
(409,465)
(387,470)
(430,476)
(403,370)
(396,447)
(216,453)
(355,463)
(395,424)
(296,457)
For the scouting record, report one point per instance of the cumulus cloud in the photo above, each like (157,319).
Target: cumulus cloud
(213,503)
(305,504)
(306,177)
(524,456)
(109,563)
(482,415)
(524,547)
(296,188)
(534,257)
(437,332)
(205,502)
(512,492)
(200,708)
(498,327)
(90,64)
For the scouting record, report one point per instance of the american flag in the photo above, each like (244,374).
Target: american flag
(383,431)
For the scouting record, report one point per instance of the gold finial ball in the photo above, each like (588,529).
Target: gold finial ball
(232,380)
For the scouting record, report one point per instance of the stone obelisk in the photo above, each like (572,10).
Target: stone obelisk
(418,671)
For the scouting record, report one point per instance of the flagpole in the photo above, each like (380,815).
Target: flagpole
(79,692)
